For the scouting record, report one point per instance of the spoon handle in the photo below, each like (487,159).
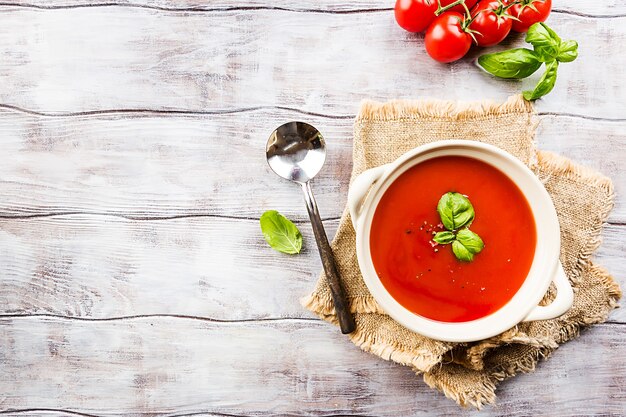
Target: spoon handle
(346,320)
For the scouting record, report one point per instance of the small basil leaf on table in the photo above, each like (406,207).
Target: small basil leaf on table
(455,210)
(514,63)
(443,238)
(461,252)
(470,240)
(545,41)
(545,84)
(280,232)
(568,51)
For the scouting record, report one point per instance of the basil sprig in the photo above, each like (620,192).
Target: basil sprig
(280,232)
(457,214)
(519,63)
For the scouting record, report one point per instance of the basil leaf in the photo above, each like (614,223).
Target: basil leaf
(545,41)
(455,210)
(280,232)
(545,84)
(472,242)
(551,32)
(568,51)
(514,63)
(461,252)
(443,238)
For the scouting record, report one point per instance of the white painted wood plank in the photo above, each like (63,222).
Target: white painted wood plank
(98,266)
(175,366)
(604,8)
(162,166)
(103,267)
(153,166)
(86,59)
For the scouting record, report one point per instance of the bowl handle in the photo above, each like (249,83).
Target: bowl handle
(563,301)
(359,188)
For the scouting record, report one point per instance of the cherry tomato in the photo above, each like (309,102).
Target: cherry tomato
(527,16)
(446,38)
(458,8)
(415,15)
(491,21)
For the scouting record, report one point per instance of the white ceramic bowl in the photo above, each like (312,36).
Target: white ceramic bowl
(367,190)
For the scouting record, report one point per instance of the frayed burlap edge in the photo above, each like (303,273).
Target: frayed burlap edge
(401,109)
(432,108)
(475,355)
(421,360)
(325,307)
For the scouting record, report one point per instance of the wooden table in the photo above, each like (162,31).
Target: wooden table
(134,279)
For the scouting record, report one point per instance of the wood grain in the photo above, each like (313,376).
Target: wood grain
(153,165)
(325,63)
(596,9)
(101,267)
(97,266)
(175,367)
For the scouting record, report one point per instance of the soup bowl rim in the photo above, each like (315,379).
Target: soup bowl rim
(365,193)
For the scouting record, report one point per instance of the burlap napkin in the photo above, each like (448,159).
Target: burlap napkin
(469,373)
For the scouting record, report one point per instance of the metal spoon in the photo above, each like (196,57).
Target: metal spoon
(296,151)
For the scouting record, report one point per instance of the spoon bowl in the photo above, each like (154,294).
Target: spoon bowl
(296,151)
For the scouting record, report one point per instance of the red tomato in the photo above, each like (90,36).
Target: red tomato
(415,15)
(491,21)
(459,8)
(527,16)
(446,39)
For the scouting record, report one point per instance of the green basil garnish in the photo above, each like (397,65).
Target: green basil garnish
(280,232)
(444,238)
(470,240)
(514,63)
(456,212)
(461,252)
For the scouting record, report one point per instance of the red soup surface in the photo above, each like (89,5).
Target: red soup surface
(426,278)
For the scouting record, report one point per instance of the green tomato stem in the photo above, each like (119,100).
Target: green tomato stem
(448,7)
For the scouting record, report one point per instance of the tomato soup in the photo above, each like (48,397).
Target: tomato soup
(426,278)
